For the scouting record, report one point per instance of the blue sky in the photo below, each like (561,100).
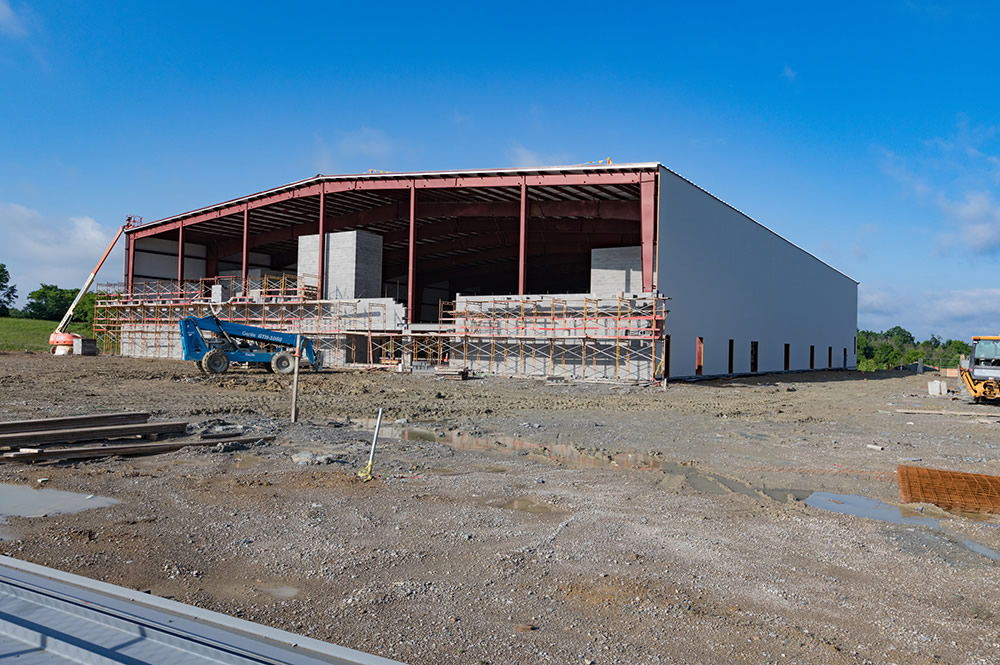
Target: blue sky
(868,135)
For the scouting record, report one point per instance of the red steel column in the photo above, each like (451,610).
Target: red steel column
(522,252)
(647,190)
(246,247)
(180,259)
(411,273)
(130,275)
(321,272)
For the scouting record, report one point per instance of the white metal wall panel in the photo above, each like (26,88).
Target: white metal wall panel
(157,258)
(728,277)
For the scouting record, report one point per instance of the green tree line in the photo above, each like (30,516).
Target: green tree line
(47,302)
(897,346)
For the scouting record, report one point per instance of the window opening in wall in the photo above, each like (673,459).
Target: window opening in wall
(788,357)
(829,357)
(731,343)
(753,356)
(845,358)
(699,356)
(812,356)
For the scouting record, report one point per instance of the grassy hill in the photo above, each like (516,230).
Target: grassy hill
(32,334)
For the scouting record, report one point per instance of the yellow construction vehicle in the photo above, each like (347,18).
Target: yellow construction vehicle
(982,376)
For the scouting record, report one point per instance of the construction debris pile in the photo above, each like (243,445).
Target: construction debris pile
(100,435)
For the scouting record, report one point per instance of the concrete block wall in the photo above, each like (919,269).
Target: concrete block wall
(353,264)
(615,270)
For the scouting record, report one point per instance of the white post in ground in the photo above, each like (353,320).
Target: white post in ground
(295,379)
(366,473)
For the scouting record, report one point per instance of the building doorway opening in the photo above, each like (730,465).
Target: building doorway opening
(753,357)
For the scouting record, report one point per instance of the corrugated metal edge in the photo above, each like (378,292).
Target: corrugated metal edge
(215,619)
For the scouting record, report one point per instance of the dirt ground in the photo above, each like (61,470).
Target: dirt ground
(517,522)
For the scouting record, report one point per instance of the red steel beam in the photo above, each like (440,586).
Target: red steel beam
(522,255)
(411,269)
(617,211)
(180,257)
(647,190)
(131,263)
(333,186)
(246,248)
(507,240)
(321,229)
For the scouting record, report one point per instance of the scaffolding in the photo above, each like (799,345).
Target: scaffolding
(580,336)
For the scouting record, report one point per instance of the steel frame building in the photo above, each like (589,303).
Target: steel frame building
(496,270)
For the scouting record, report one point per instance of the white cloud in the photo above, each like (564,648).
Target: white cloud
(366,142)
(951,313)
(12,23)
(355,152)
(959,175)
(789,73)
(518,155)
(39,249)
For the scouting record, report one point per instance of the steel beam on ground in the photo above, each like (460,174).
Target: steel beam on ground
(45,437)
(65,422)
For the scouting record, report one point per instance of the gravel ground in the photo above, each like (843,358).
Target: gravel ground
(512,521)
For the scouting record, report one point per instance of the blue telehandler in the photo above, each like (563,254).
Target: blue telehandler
(237,343)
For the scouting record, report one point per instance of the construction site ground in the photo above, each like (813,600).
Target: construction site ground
(512,521)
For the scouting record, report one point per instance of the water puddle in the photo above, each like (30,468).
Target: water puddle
(556,453)
(282,592)
(862,506)
(980,549)
(28,501)
(247,461)
(675,474)
(528,504)
(564,454)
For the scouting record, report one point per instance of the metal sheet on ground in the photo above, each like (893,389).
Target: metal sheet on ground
(47,616)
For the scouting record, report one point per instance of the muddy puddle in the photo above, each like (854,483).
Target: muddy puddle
(862,506)
(280,592)
(676,474)
(30,501)
(564,454)
(528,504)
